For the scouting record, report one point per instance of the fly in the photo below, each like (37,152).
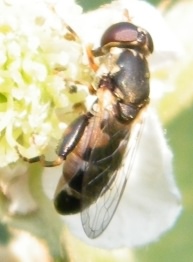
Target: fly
(97,147)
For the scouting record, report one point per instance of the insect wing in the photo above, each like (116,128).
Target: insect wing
(108,185)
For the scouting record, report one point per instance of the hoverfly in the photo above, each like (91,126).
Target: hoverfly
(97,147)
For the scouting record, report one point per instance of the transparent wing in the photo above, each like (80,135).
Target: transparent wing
(102,192)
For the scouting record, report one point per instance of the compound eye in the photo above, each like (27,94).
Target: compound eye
(149,42)
(144,41)
(122,32)
(125,35)
(141,38)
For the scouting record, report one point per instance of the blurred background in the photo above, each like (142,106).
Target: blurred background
(176,112)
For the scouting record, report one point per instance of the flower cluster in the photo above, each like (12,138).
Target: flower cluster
(40,59)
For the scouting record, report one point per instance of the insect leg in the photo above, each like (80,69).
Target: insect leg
(41,159)
(91,54)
